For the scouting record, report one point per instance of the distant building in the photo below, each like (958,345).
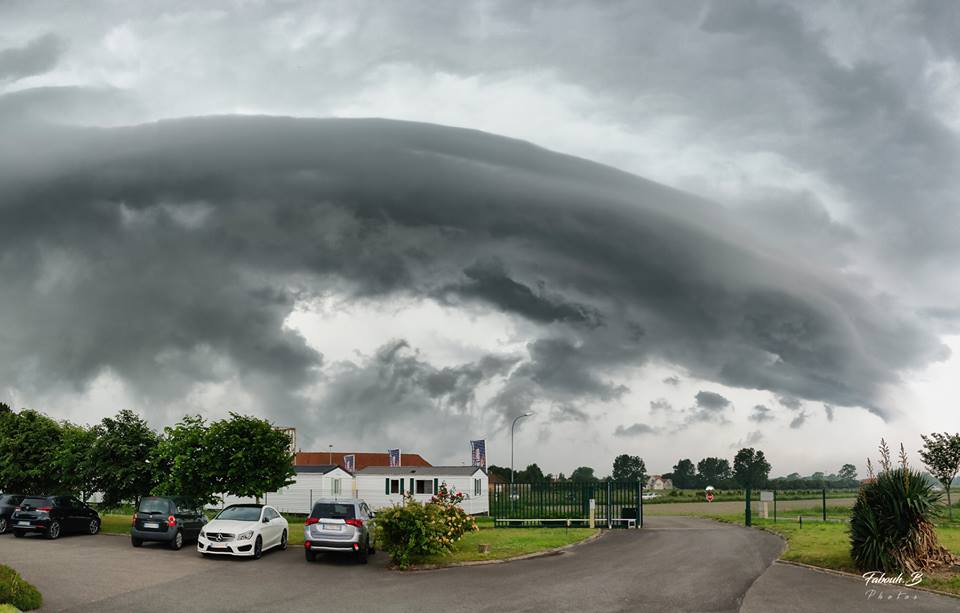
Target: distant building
(383,486)
(362,459)
(657,482)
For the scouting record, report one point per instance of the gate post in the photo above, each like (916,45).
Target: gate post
(824,505)
(610,507)
(747,510)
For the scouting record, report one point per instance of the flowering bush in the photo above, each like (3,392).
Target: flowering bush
(413,530)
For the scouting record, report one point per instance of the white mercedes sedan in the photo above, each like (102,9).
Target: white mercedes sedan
(244,530)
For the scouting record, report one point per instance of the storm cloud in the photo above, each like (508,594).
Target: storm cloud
(158,251)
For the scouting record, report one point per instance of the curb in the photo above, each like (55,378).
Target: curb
(843,573)
(527,556)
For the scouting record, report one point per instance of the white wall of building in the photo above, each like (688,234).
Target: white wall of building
(299,496)
(373,488)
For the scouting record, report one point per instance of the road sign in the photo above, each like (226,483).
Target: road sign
(709,496)
(766,496)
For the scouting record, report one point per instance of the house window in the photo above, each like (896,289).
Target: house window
(476,487)
(394,486)
(336,486)
(423,486)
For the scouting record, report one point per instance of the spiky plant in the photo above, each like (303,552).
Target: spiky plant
(891,526)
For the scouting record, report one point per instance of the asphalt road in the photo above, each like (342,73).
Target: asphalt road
(675,564)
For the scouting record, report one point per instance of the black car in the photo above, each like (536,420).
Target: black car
(168,519)
(8,504)
(53,516)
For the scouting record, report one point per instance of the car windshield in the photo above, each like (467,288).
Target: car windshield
(240,514)
(330,510)
(36,502)
(154,505)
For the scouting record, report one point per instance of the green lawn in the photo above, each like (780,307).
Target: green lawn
(828,545)
(509,542)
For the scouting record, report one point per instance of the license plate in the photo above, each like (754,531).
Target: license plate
(23,523)
(150,524)
(333,527)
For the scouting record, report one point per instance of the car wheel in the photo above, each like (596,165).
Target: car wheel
(283,541)
(258,549)
(310,555)
(94,526)
(206,555)
(19,534)
(53,532)
(3,525)
(136,542)
(177,543)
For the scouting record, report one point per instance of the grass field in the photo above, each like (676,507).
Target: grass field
(509,542)
(828,545)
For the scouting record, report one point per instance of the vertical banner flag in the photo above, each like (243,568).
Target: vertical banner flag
(394,457)
(350,463)
(478,453)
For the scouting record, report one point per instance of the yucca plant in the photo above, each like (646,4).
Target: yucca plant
(891,527)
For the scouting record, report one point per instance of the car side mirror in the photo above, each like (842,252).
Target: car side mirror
(266,520)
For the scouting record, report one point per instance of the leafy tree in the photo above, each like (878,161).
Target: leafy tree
(121,454)
(629,467)
(583,473)
(713,471)
(5,409)
(532,474)
(684,475)
(750,468)
(848,473)
(74,460)
(500,471)
(248,456)
(941,455)
(28,446)
(183,459)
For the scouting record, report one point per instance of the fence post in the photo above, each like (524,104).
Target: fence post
(609,507)
(747,510)
(824,504)
(774,506)
(311,500)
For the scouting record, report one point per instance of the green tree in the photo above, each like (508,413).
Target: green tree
(713,471)
(74,460)
(500,471)
(28,446)
(248,456)
(848,472)
(941,455)
(583,473)
(684,475)
(182,457)
(750,468)
(122,453)
(532,474)
(629,467)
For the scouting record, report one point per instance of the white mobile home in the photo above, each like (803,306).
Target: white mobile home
(382,486)
(311,483)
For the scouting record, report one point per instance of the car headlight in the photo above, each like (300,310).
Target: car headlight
(203,534)
(246,536)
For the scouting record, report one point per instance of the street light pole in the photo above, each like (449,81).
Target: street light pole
(329,454)
(514,425)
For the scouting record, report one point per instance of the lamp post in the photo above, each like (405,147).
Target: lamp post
(514,425)
(329,454)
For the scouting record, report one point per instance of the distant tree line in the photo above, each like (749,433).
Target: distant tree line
(124,459)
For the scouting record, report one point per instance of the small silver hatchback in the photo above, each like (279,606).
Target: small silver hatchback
(344,526)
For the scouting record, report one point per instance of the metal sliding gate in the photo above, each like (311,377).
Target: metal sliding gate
(615,504)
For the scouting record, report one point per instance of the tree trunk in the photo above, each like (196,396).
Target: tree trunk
(949,505)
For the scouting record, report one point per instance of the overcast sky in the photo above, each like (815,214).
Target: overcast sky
(669,229)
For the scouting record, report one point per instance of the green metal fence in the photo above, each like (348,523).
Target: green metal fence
(615,502)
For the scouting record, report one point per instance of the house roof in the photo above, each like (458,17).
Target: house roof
(462,471)
(361,459)
(319,468)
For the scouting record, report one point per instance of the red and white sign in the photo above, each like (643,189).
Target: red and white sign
(709,496)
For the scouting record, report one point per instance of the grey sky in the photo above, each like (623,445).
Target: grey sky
(804,251)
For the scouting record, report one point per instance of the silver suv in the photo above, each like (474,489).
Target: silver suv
(344,526)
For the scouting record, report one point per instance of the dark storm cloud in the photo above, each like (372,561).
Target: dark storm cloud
(634,430)
(567,412)
(35,57)
(710,407)
(489,281)
(798,421)
(141,250)
(828,409)
(791,403)
(661,404)
(761,414)
(672,380)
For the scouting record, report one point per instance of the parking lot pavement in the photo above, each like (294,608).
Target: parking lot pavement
(785,588)
(678,564)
